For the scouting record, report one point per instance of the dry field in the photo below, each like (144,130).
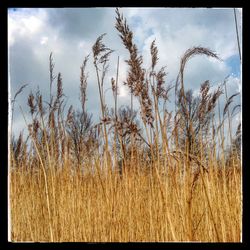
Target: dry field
(152,175)
(138,207)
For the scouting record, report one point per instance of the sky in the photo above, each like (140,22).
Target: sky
(71,32)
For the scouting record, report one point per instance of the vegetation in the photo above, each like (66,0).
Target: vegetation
(149,175)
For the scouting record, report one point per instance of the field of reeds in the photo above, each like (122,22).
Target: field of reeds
(147,175)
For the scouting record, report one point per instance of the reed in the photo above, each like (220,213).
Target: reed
(160,176)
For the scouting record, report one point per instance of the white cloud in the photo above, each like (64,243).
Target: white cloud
(123,92)
(25,23)
(31,24)
(44,40)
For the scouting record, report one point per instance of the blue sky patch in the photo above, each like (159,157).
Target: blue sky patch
(234,64)
(12,9)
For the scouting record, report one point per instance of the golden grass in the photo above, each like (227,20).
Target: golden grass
(128,209)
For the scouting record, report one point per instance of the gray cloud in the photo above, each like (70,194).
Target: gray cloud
(76,24)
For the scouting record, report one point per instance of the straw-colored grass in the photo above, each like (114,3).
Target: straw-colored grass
(129,209)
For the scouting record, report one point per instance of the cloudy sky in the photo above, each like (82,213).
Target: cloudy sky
(70,34)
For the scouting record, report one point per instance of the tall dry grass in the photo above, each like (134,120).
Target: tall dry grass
(134,208)
(163,175)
